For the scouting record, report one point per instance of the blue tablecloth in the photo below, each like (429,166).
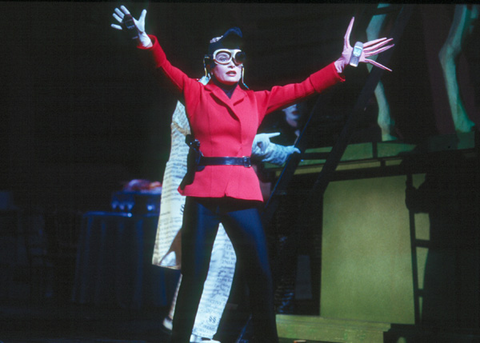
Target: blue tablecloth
(114,265)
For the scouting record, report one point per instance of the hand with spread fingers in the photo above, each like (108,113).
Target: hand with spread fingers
(126,20)
(369,49)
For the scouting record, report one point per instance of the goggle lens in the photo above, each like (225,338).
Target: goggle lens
(239,57)
(224,56)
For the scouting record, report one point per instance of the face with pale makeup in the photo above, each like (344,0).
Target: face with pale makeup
(292,115)
(228,74)
(227,65)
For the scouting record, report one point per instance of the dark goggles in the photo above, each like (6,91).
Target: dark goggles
(224,56)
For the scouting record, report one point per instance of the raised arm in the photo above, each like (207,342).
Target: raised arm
(154,55)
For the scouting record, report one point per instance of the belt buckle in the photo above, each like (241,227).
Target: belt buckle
(246,162)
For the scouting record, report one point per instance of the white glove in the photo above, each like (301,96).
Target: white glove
(267,151)
(371,48)
(140,25)
(261,143)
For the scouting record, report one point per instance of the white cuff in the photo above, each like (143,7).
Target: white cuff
(145,40)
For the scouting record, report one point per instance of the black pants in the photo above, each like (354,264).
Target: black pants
(243,226)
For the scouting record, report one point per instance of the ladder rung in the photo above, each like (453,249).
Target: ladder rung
(314,156)
(422,243)
(292,192)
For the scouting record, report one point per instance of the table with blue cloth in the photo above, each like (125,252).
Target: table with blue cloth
(114,262)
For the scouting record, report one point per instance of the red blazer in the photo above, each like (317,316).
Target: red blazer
(227,126)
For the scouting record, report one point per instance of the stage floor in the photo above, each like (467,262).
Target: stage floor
(53,321)
(60,322)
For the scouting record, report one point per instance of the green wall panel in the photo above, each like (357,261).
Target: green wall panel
(366,255)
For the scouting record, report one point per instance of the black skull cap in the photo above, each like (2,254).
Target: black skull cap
(231,39)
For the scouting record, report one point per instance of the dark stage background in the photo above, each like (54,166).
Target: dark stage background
(81,114)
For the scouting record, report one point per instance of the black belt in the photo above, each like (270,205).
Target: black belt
(225,161)
(197,162)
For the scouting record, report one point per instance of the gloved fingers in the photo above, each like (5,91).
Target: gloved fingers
(376,41)
(125,10)
(116,27)
(272,134)
(376,52)
(264,137)
(260,142)
(378,45)
(374,47)
(349,31)
(376,64)
(117,17)
(117,14)
(347,49)
(260,149)
(256,150)
(141,20)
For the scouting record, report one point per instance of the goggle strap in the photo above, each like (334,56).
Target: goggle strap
(205,58)
(243,78)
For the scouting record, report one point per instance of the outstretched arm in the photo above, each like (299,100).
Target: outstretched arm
(155,57)
(123,16)
(370,48)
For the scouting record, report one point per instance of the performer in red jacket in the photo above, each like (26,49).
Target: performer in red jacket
(224,117)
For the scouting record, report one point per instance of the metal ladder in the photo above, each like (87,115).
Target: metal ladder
(315,194)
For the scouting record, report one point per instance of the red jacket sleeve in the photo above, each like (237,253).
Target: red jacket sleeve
(282,96)
(325,78)
(156,58)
